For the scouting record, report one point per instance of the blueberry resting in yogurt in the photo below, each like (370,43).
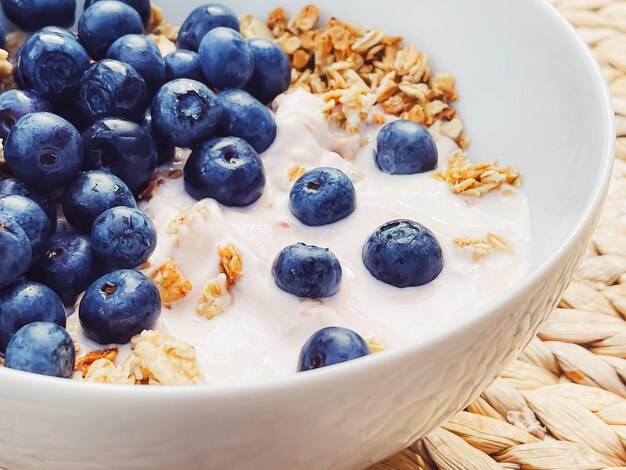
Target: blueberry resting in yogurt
(123,237)
(246,117)
(226,58)
(44,150)
(183,64)
(15,252)
(68,265)
(42,348)
(111,88)
(92,193)
(405,148)
(272,70)
(142,7)
(403,253)
(32,15)
(226,169)
(141,53)
(15,104)
(166,150)
(322,196)
(31,217)
(118,306)
(307,271)
(332,345)
(202,20)
(186,112)
(103,23)
(123,148)
(27,302)
(12,186)
(51,63)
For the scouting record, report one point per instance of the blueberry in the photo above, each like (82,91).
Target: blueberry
(44,150)
(183,64)
(110,88)
(51,63)
(226,169)
(143,7)
(15,104)
(104,22)
(272,70)
(322,196)
(405,148)
(119,306)
(123,148)
(202,20)
(32,15)
(31,217)
(246,117)
(307,271)
(3,35)
(12,186)
(403,253)
(143,54)
(42,348)
(68,266)
(123,237)
(27,302)
(165,147)
(186,112)
(92,193)
(226,58)
(59,31)
(330,346)
(15,252)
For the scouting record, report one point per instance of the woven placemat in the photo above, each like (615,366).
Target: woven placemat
(562,403)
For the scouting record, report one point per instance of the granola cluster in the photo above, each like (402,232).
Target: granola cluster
(215,299)
(354,69)
(156,359)
(468,179)
(170,281)
(483,247)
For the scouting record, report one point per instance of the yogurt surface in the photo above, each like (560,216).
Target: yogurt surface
(262,332)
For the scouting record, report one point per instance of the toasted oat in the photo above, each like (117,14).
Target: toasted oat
(468,179)
(84,363)
(376,345)
(149,192)
(231,263)
(159,27)
(160,359)
(105,371)
(295,173)
(482,247)
(252,27)
(170,281)
(215,298)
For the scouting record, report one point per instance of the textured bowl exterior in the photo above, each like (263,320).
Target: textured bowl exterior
(352,415)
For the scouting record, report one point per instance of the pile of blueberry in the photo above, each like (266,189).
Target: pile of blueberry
(96,113)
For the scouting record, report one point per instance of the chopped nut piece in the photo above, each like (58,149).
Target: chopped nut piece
(106,372)
(482,248)
(84,363)
(468,179)
(170,281)
(295,173)
(301,59)
(160,359)
(252,27)
(215,298)
(230,262)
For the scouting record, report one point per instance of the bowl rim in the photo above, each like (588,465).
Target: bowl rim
(97,391)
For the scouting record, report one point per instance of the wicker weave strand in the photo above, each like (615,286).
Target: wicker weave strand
(562,403)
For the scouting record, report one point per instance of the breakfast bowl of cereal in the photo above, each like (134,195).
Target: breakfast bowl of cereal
(247,236)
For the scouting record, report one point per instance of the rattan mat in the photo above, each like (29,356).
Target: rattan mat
(562,403)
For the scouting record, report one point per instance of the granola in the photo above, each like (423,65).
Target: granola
(170,281)
(231,263)
(84,363)
(468,179)
(483,247)
(215,298)
(105,371)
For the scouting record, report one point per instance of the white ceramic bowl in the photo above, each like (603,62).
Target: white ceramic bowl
(530,95)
